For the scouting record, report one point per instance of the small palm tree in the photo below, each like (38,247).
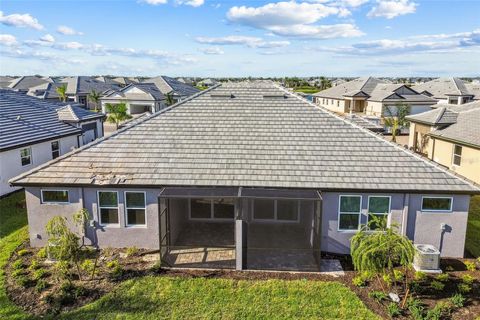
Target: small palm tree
(396,120)
(169,99)
(94,97)
(62,92)
(117,113)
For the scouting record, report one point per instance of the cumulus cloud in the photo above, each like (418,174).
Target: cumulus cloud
(155,2)
(68,31)
(20,20)
(252,42)
(211,50)
(392,8)
(47,38)
(295,19)
(8,40)
(193,3)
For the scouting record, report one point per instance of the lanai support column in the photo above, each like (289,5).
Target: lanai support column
(240,235)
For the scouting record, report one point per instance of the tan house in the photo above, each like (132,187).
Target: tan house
(450,90)
(372,97)
(450,136)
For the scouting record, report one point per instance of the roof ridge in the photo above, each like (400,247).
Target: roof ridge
(396,146)
(440,114)
(104,138)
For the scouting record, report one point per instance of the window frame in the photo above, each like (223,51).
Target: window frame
(454,155)
(212,212)
(30,156)
(339,213)
(125,205)
(55,202)
(275,211)
(450,210)
(58,150)
(99,207)
(388,214)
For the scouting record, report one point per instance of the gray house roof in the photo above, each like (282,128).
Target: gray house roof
(435,117)
(251,135)
(365,85)
(26,120)
(82,84)
(151,92)
(441,88)
(26,82)
(166,85)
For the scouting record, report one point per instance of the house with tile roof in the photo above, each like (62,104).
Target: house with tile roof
(371,96)
(139,98)
(450,136)
(247,176)
(35,131)
(173,87)
(450,90)
(24,83)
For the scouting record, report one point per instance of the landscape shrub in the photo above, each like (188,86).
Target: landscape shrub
(17,273)
(470,265)
(398,275)
(39,274)
(41,285)
(62,270)
(18,265)
(416,308)
(377,295)
(34,265)
(420,276)
(464,288)
(358,281)
(437,285)
(387,279)
(22,252)
(42,253)
(132,251)
(23,281)
(393,310)
(157,267)
(88,266)
(467,279)
(115,270)
(415,287)
(458,300)
(443,277)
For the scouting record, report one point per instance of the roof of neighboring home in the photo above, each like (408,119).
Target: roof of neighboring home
(5,81)
(47,90)
(166,85)
(82,84)
(437,116)
(251,134)
(464,131)
(441,88)
(350,88)
(151,92)
(26,82)
(398,93)
(26,120)
(126,80)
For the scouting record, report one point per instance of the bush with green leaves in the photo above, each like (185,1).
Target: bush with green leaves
(39,274)
(377,296)
(420,276)
(468,279)
(393,310)
(470,265)
(443,277)
(17,273)
(415,287)
(132,251)
(23,281)
(464,288)
(157,267)
(42,253)
(115,270)
(62,270)
(18,265)
(387,279)
(34,265)
(41,285)
(416,308)
(358,281)
(458,300)
(441,309)
(22,252)
(398,275)
(437,285)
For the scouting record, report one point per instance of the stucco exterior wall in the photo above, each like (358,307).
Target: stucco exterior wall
(470,161)
(418,138)
(11,165)
(334,105)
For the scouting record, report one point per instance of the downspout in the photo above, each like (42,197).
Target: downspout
(406,202)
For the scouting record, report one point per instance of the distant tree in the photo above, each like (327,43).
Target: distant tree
(117,113)
(325,83)
(395,118)
(62,92)
(169,99)
(94,97)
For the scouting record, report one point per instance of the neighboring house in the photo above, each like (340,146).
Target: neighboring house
(450,136)
(449,90)
(371,96)
(177,89)
(124,81)
(5,81)
(250,170)
(139,98)
(78,89)
(337,82)
(34,131)
(207,83)
(46,91)
(23,84)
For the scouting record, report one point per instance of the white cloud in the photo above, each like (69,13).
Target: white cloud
(155,2)
(8,40)
(212,50)
(47,38)
(193,3)
(72,45)
(68,31)
(295,19)
(252,42)
(20,20)
(392,8)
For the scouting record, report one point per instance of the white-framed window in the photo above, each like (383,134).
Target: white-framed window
(206,208)
(457,155)
(379,207)
(437,204)
(283,210)
(107,207)
(55,149)
(349,212)
(26,156)
(55,196)
(136,208)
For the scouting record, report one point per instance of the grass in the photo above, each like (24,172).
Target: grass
(473,229)
(307,89)
(13,231)
(200,298)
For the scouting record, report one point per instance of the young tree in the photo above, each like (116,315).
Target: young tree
(94,97)
(117,113)
(169,99)
(62,92)
(395,118)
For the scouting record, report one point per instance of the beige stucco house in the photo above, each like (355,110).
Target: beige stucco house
(372,97)
(450,136)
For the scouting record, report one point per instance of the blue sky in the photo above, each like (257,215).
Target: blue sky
(241,38)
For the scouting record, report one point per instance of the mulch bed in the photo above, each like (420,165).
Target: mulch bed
(137,265)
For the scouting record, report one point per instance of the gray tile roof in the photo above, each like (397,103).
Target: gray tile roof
(166,85)
(251,134)
(26,82)
(26,120)
(151,92)
(442,87)
(82,84)
(365,85)
(435,117)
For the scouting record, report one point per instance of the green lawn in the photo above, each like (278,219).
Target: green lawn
(307,90)
(473,229)
(200,298)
